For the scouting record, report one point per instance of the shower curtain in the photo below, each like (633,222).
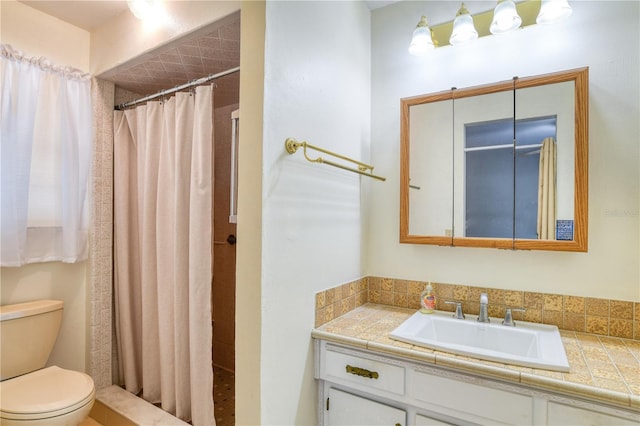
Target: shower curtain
(163,252)
(547,190)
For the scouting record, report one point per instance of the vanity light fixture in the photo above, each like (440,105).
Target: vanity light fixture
(421,42)
(552,11)
(505,17)
(463,28)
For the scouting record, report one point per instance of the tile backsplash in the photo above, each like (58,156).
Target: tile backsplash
(583,314)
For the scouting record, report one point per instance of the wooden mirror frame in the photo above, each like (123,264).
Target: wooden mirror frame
(580,77)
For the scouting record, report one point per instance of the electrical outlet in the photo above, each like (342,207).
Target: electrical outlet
(448,232)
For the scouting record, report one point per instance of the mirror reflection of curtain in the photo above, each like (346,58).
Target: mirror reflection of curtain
(163,257)
(547,191)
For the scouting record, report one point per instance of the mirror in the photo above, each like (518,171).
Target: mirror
(502,165)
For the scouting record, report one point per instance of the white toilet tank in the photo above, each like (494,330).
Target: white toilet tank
(28,332)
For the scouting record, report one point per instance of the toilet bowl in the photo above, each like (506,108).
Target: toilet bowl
(31,394)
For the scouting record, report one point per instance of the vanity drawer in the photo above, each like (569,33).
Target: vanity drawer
(362,373)
(472,402)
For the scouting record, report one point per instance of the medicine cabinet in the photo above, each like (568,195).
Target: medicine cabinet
(503,165)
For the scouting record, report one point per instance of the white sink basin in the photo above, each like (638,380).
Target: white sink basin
(527,344)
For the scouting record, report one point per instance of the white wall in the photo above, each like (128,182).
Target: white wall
(317,88)
(38,34)
(602,35)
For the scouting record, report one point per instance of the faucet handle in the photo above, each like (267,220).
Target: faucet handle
(458,314)
(508,317)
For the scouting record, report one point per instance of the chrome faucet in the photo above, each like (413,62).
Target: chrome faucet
(484,302)
(508,317)
(458,314)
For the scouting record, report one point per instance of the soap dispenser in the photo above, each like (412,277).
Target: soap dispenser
(428,300)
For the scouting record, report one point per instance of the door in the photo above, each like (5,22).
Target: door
(347,409)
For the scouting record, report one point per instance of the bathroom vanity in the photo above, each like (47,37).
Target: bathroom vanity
(364,377)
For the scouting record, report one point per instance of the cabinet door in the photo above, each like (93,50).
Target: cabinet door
(561,415)
(422,420)
(346,409)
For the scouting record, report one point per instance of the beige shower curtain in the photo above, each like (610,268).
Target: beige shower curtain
(547,190)
(163,257)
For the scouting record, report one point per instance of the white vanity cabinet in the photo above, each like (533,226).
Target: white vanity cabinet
(364,387)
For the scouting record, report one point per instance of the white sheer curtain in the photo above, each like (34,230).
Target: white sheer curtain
(547,190)
(163,252)
(46,158)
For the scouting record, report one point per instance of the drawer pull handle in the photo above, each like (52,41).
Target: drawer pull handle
(362,372)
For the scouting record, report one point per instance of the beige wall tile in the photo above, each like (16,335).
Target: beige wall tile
(597,307)
(553,318)
(415,287)
(460,292)
(474,294)
(400,299)
(496,296)
(574,305)
(574,322)
(636,330)
(400,286)
(636,309)
(514,299)
(533,300)
(533,315)
(413,301)
(552,302)
(374,284)
(386,297)
(621,309)
(321,299)
(621,328)
(443,291)
(386,284)
(374,296)
(597,325)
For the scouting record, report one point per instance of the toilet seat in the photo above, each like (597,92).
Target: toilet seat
(45,393)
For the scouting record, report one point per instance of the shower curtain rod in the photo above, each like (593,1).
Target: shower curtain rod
(197,82)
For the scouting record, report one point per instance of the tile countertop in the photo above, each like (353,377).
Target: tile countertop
(602,368)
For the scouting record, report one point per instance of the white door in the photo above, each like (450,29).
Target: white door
(346,409)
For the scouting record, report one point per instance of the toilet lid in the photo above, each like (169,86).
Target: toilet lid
(52,391)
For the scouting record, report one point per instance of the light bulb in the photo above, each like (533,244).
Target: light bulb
(463,28)
(421,42)
(552,11)
(505,17)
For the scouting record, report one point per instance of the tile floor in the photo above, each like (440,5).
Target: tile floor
(224,397)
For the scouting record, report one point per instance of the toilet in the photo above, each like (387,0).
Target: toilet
(31,394)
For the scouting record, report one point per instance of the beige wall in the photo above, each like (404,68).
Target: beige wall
(249,248)
(38,34)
